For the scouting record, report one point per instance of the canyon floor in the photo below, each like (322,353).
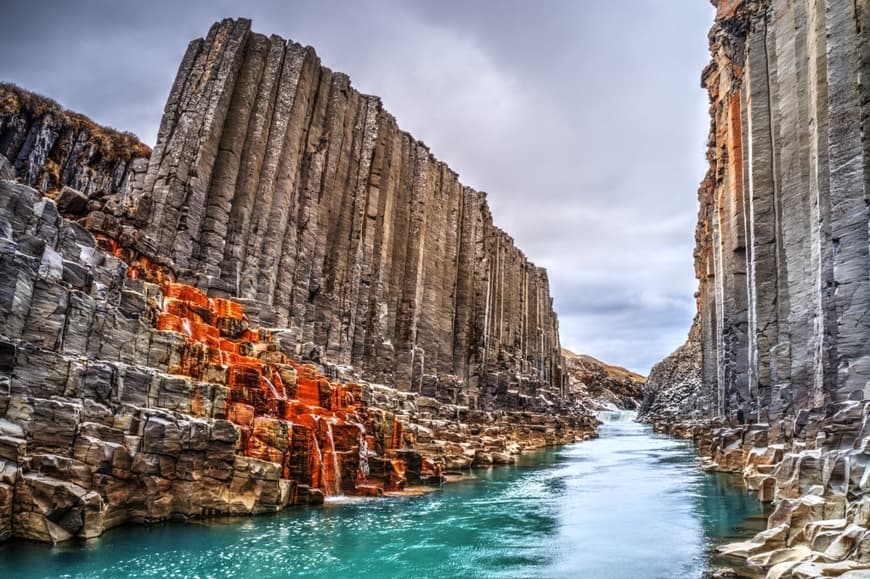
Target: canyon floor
(511,521)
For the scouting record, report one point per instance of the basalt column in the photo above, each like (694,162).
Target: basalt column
(782,247)
(275,182)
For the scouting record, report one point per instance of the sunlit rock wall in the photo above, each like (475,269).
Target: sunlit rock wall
(275,181)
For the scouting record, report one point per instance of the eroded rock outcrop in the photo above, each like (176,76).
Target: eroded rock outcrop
(783,265)
(601,385)
(49,147)
(672,391)
(275,181)
(197,331)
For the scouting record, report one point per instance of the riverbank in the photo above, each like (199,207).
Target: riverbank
(820,524)
(628,504)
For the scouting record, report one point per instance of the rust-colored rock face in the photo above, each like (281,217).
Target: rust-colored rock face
(777,365)
(274,180)
(286,412)
(198,331)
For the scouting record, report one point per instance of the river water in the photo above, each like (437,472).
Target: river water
(631,504)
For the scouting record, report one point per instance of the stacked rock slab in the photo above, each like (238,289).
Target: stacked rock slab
(783,264)
(123,400)
(273,180)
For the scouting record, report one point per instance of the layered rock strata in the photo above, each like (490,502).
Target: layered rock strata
(784,272)
(196,332)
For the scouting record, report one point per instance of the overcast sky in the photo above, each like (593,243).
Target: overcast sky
(582,120)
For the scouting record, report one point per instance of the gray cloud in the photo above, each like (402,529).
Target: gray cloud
(583,120)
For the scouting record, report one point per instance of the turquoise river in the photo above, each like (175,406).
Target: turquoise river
(631,504)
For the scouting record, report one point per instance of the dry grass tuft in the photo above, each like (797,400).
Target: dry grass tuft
(113,145)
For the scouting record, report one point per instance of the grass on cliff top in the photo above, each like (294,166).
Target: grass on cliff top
(113,144)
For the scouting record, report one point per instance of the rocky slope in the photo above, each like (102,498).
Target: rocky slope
(784,273)
(673,389)
(198,330)
(601,385)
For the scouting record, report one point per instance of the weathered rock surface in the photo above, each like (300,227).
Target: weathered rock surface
(672,390)
(782,337)
(601,385)
(782,241)
(125,400)
(48,147)
(196,332)
(273,180)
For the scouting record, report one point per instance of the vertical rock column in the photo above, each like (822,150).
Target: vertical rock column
(275,182)
(782,246)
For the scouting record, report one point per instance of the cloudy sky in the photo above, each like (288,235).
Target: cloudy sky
(582,119)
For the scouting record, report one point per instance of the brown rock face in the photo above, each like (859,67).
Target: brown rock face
(124,400)
(602,385)
(274,181)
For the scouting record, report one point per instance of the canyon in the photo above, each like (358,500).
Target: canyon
(772,381)
(287,299)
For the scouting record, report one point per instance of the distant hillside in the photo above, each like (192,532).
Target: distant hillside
(602,383)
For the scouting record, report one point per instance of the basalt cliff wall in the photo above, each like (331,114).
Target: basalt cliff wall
(273,180)
(777,366)
(288,298)
(782,237)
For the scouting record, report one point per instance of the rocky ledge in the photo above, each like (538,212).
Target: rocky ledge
(817,476)
(124,400)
